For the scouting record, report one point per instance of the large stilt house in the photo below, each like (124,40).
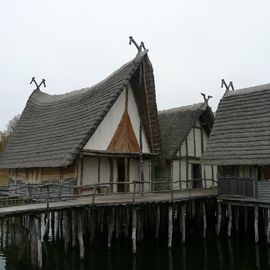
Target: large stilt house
(184,132)
(239,143)
(104,134)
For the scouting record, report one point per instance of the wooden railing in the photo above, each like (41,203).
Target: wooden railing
(36,193)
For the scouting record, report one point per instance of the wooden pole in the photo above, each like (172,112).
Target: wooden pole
(80,233)
(219,218)
(117,223)
(229,220)
(268,225)
(236,218)
(73,228)
(204,220)
(110,228)
(170,226)
(183,221)
(256,230)
(246,219)
(157,221)
(37,221)
(134,230)
(66,230)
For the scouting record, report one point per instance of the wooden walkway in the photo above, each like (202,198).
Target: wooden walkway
(115,199)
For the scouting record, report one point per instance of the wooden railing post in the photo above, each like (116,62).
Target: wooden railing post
(94,192)
(172,189)
(134,191)
(48,194)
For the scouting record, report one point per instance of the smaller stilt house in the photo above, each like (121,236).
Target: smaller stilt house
(184,133)
(108,133)
(239,143)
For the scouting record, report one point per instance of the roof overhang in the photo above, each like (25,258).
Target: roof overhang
(100,153)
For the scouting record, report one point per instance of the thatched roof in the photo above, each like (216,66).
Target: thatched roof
(53,129)
(241,133)
(176,123)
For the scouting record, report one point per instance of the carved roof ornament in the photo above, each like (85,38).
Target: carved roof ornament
(139,48)
(38,85)
(206,98)
(227,86)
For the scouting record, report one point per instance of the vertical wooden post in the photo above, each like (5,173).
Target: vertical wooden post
(33,237)
(170,226)
(110,223)
(157,221)
(219,218)
(204,220)
(256,230)
(134,230)
(80,233)
(229,220)
(66,231)
(268,225)
(183,221)
(246,219)
(236,218)
(37,221)
(117,223)
(53,225)
(73,228)
(126,222)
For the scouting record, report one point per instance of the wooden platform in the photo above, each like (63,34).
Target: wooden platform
(243,201)
(116,199)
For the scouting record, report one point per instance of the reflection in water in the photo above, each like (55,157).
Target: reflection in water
(257,253)
(218,253)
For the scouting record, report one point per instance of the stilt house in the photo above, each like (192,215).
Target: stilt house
(90,136)
(184,133)
(240,143)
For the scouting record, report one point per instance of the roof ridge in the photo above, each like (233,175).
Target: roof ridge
(193,107)
(248,90)
(44,97)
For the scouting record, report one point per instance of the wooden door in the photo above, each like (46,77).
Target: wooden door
(196,176)
(121,174)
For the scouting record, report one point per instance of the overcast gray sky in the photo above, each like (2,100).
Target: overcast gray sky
(74,44)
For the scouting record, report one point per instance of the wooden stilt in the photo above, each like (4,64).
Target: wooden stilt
(170,226)
(246,219)
(126,222)
(110,228)
(183,221)
(53,225)
(236,218)
(37,221)
(268,225)
(134,230)
(33,241)
(80,233)
(117,223)
(204,220)
(256,230)
(73,228)
(229,220)
(219,218)
(157,221)
(66,230)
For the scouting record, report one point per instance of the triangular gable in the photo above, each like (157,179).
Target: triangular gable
(124,139)
(105,138)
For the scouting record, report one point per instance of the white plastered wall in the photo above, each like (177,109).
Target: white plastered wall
(179,166)
(90,170)
(104,133)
